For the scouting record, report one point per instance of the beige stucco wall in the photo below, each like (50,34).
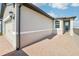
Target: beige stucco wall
(60,29)
(34,26)
(71,27)
(8,26)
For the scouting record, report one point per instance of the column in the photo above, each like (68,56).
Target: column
(71,27)
(60,29)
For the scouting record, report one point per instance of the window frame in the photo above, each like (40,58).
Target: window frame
(57,24)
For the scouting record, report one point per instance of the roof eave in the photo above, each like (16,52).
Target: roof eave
(72,17)
(37,9)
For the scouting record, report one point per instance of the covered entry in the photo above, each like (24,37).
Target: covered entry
(65,25)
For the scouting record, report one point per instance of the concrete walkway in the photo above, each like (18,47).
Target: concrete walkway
(58,46)
(5,46)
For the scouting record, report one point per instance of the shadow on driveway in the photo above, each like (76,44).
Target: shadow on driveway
(52,35)
(16,53)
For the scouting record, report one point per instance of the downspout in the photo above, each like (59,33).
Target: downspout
(18,48)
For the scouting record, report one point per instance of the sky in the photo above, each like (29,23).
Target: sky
(61,10)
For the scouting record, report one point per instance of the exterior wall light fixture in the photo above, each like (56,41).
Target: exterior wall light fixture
(11,15)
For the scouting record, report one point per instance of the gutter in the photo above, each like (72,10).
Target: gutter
(18,48)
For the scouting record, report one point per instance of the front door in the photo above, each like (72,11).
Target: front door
(66,26)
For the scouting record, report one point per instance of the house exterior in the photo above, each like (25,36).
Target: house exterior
(65,25)
(24,24)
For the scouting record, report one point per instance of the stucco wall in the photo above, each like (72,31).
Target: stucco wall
(60,29)
(8,27)
(34,26)
(71,27)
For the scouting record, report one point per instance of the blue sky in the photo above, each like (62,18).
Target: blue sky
(61,9)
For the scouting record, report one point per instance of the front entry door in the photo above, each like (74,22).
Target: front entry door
(66,26)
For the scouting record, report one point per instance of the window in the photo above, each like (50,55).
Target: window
(57,24)
(66,23)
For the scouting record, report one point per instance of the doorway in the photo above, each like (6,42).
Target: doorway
(66,26)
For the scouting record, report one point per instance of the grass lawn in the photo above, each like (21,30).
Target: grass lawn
(0,33)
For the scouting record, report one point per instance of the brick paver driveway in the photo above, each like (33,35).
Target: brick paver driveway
(59,45)
(5,46)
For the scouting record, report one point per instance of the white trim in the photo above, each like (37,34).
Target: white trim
(26,32)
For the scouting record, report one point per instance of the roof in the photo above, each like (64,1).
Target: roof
(37,9)
(62,18)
